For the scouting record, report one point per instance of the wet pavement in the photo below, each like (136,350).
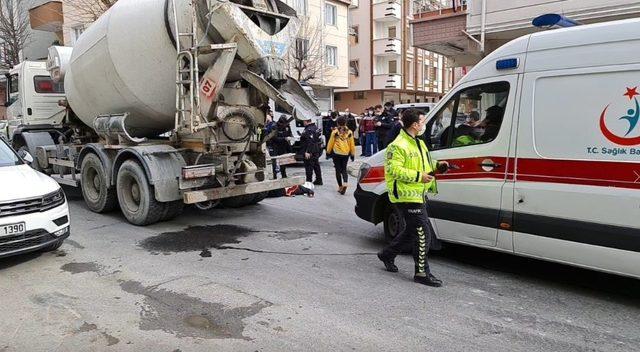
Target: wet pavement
(296,274)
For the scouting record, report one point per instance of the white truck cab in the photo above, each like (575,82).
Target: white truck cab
(32,96)
(544,143)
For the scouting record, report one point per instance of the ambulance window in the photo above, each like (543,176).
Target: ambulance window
(438,127)
(479,111)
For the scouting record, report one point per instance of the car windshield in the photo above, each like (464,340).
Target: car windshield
(7,156)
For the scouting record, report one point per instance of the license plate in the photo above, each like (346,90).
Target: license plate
(12,229)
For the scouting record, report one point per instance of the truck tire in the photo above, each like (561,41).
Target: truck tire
(259,197)
(172,209)
(136,196)
(97,194)
(393,223)
(238,201)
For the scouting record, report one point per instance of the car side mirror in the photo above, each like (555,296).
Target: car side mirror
(25,155)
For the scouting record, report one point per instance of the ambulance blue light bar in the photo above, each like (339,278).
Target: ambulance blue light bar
(507,64)
(553,20)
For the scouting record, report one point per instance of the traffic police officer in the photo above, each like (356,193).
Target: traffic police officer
(409,176)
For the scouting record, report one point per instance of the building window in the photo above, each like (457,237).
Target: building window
(393,67)
(392,32)
(302,7)
(359,95)
(336,97)
(354,68)
(76,32)
(354,33)
(302,48)
(332,56)
(410,71)
(330,14)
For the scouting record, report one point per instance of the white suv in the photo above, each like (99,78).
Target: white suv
(33,209)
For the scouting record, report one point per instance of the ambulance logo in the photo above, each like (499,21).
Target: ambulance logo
(632,117)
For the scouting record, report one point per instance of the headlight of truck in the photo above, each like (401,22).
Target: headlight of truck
(53,200)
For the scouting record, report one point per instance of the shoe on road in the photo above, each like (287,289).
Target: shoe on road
(388,264)
(428,280)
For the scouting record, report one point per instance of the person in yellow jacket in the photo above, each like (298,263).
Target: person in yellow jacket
(342,146)
(409,174)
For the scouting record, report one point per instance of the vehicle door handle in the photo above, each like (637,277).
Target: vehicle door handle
(489,164)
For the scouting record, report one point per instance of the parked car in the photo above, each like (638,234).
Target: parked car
(538,168)
(34,215)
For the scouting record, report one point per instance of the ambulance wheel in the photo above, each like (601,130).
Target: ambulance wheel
(136,196)
(393,223)
(97,194)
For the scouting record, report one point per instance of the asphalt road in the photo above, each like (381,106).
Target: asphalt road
(295,274)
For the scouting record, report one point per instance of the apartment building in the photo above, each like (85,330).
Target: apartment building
(467,30)
(39,37)
(320,55)
(384,66)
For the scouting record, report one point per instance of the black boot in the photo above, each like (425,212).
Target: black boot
(317,182)
(388,263)
(428,280)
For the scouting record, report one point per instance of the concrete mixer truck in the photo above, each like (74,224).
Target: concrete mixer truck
(159,104)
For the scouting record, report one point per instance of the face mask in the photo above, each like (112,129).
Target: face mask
(422,130)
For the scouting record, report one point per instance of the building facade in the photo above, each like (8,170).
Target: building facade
(320,55)
(384,66)
(465,31)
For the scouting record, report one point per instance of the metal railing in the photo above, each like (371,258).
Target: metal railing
(423,6)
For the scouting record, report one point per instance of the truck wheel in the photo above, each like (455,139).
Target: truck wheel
(259,197)
(172,209)
(97,194)
(393,223)
(238,201)
(135,195)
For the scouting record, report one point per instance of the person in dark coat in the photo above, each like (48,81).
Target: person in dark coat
(351,121)
(311,148)
(395,130)
(280,141)
(384,122)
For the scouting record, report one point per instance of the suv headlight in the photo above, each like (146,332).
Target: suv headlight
(53,200)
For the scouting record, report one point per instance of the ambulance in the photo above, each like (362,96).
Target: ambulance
(543,139)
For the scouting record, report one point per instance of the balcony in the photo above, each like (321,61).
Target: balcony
(387,81)
(47,17)
(387,47)
(442,31)
(387,11)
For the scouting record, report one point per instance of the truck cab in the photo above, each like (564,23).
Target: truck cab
(32,98)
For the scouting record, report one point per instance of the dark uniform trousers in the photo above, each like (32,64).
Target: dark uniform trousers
(311,166)
(418,232)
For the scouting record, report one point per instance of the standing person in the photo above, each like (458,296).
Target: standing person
(370,136)
(270,126)
(395,130)
(384,122)
(311,148)
(361,139)
(342,145)
(280,141)
(332,126)
(351,121)
(409,174)
(327,124)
